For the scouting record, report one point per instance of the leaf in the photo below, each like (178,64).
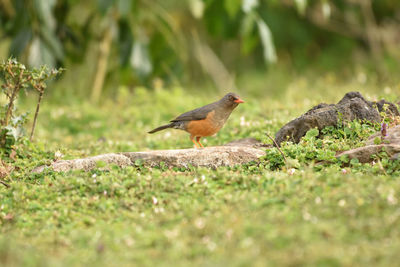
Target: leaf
(377,140)
(247,24)
(232,7)
(197,8)
(101,164)
(104,5)
(44,9)
(314,132)
(249,5)
(52,43)
(267,42)
(326,10)
(124,7)
(12,131)
(40,54)
(249,39)
(125,41)
(140,59)
(20,41)
(248,44)
(301,6)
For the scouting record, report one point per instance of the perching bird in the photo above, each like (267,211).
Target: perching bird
(204,121)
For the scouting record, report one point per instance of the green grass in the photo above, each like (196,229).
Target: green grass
(318,215)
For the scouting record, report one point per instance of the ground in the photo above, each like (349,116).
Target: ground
(304,214)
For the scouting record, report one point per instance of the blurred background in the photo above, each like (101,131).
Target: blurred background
(104,44)
(155,54)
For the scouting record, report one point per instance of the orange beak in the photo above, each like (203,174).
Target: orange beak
(238,101)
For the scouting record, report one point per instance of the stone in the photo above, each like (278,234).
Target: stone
(352,106)
(390,144)
(232,154)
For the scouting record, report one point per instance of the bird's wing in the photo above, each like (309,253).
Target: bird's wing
(196,114)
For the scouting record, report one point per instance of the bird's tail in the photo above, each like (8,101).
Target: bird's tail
(163,127)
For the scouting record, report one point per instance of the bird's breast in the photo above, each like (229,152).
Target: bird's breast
(206,127)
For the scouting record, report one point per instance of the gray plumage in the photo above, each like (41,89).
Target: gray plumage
(223,108)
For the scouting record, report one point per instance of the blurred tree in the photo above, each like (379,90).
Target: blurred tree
(140,40)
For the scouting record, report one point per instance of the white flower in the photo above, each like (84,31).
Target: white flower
(58,155)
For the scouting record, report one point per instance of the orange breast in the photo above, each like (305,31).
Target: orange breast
(206,127)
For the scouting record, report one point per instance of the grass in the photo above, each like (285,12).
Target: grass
(314,215)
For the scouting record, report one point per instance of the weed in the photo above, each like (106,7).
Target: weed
(17,77)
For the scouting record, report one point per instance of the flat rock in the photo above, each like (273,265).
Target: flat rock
(392,136)
(390,144)
(364,154)
(210,157)
(352,106)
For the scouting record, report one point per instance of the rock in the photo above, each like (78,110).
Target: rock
(364,154)
(211,157)
(392,137)
(251,142)
(352,106)
(390,144)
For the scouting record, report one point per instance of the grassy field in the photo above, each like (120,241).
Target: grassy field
(255,215)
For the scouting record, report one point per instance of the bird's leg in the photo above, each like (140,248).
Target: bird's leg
(192,138)
(198,141)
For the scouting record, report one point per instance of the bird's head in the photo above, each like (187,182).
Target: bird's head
(231,100)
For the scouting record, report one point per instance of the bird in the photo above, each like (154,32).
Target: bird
(204,121)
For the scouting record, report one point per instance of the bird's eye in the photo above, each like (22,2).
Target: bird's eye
(231,98)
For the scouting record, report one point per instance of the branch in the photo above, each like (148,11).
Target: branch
(36,114)
(277,146)
(5,184)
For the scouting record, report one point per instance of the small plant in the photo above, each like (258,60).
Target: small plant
(321,146)
(17,77)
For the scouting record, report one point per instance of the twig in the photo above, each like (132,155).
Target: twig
(36,113)
(277,146)
(4,183)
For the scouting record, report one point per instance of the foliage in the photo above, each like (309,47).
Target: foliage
(321,147)
(16,78)
(303,214)
(138,42)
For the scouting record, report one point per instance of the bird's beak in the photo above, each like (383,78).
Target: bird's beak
(238,101)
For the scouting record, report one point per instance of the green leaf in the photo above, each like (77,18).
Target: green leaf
(40,54)
(312,133)
(20,41)
(125,39)
(104,5)
(248,44)
(377,140)
(232,7)
(267,42)
(124,7)
(52,43)
(248,23)
(301,6)
(249,5)
(44,12)
(101,164)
